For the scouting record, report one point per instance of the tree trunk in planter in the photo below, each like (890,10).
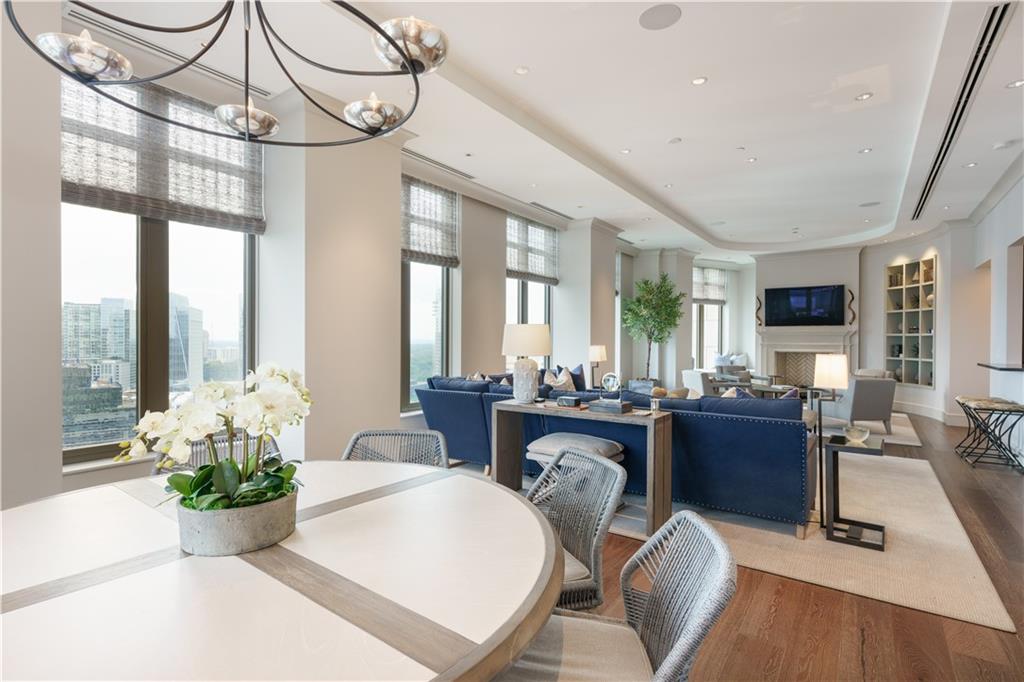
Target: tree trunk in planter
(647,369)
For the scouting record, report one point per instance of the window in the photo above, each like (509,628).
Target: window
(150,308)
(206,308)
(709,297)
(430,229)
(527,303)
(99,345)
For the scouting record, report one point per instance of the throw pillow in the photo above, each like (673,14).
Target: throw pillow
(579,379)
(505,382)
(476,377)
(737,393)
(791,393)
(738,359)
(559,382)
(659,392)
(721,361)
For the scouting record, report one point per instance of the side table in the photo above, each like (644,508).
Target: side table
(837,528)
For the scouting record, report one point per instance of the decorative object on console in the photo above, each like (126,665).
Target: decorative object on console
(567,401)
(653,314)
(597,355)
(522,341)
(244,501)
(757,311)
(853,313)
(610,382)
(408,46)
(611,406)
(856,434)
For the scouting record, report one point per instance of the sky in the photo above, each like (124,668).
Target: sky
(206,264)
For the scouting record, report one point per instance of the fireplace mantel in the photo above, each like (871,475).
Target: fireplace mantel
(772,340)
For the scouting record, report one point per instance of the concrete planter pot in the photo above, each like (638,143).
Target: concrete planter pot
(234,531)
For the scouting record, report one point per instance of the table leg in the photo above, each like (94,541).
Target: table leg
(828,502)
(659,474)
(507,448)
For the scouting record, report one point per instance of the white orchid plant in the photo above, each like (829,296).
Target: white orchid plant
(272,398)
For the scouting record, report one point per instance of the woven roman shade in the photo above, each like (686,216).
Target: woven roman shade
(117,159)
(430,223)
(531,251)
(710,285)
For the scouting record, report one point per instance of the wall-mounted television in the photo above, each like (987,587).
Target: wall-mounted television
(804,306)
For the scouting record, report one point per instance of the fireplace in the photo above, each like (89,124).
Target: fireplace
(789,351)
(796,368)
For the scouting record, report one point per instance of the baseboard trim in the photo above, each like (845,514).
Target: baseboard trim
(936,413)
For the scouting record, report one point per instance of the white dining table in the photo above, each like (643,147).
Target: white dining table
(394,572)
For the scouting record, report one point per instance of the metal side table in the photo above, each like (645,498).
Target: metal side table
(837,528)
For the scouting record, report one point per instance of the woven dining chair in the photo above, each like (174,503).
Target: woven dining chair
(578,493)
(692,577)
(201,452)
(409,447)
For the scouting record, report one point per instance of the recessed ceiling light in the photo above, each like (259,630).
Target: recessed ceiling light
(625,151)
(946,207)
(521,70)
(668,185)
(885,241)
(972,164)
(700,80)
(866,150)
(913,233)
(867,220)
(533,184)
(864,96)
(752,159)
(468,154)
(660,16)
(412,91)
(675,140)
(869,204)
(647,219)
(1015,84)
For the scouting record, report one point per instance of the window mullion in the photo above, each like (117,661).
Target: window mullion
(153,326)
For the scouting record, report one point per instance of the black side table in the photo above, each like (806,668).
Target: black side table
(838,529)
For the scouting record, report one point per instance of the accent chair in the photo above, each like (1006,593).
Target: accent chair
(866,399)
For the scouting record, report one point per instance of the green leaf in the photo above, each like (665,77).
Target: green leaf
(252,465)
(222,503)
(288,471)
(226,476)
(204,475)
(203,502)
(181,483)
(271,462)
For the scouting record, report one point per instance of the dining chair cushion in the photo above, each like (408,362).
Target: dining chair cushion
(582,647)
(574,569)
(553,443)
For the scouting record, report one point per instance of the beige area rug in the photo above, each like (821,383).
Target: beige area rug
(903,432)
(928,564)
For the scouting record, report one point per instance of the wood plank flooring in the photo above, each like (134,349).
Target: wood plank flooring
(781,629)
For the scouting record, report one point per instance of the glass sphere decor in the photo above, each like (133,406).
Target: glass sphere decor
(261,123)
(84,56)
(856,434)
(425,44)
(373,115)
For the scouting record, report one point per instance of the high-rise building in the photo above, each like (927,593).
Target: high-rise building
(81,333)
(117,326)
(186,344)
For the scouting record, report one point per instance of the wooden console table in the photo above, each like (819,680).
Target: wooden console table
(507,449)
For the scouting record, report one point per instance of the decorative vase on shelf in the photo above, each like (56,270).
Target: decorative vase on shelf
(930,300)
(244,498)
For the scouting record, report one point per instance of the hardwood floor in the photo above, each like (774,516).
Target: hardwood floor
(781,629)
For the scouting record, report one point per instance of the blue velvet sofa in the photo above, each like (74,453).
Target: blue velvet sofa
(750,456)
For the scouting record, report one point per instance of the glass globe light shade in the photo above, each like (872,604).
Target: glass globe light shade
(372,114)
(261,123)
(85,56)
(426,44)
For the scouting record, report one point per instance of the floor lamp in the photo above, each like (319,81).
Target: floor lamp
(831,373)
(598,354)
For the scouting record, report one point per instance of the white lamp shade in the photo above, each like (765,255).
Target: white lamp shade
(598,353)
(831,371)
(523,340)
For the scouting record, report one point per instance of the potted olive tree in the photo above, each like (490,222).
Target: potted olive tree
(242,500)
(651,316)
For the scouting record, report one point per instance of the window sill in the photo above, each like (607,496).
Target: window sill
(101,464)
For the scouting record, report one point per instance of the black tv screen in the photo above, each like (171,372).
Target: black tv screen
(804,306)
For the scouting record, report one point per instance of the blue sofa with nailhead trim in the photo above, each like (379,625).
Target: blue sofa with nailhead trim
(750,456)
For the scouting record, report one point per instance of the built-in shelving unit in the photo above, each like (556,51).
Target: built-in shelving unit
(910,294)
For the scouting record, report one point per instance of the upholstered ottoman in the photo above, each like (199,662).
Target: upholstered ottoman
(544,449)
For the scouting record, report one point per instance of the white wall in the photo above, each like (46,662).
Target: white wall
(744,305)
(626,352)
(997,245)
(30,284)
(333,249)
(478,290)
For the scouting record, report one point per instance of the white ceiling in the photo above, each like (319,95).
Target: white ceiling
(782,82)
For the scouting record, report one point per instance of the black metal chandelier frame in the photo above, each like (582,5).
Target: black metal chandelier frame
(270,35)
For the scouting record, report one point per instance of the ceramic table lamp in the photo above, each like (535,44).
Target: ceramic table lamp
(522,341)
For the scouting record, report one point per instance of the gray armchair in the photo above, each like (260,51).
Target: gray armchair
(866,399)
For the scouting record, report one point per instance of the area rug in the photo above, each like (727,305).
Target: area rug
(903,432)
(928,564)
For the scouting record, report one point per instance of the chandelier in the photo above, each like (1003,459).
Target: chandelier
(407,46)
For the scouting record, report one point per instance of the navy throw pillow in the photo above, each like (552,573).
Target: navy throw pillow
(579,379)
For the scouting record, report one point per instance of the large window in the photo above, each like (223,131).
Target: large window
(430,224)
(99,349)
(527,303)
(158,231)
(709,297)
